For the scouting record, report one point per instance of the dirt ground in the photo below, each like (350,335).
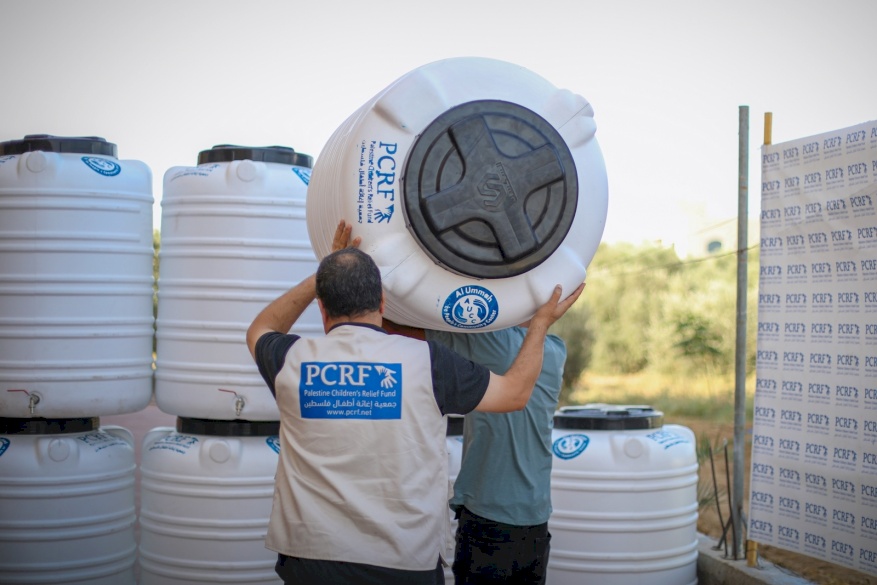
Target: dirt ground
(815,570)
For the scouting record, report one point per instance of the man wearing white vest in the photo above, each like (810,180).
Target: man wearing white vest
(361,486)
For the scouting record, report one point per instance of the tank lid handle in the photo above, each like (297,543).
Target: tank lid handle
(68,144)
(270,154)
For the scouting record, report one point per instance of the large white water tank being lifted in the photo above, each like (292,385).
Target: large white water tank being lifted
(233,238)
(76,280)
(475,184)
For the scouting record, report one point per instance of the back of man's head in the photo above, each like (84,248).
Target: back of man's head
(349,283)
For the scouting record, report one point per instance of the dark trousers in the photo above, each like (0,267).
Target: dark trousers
(493,552)
(298,571)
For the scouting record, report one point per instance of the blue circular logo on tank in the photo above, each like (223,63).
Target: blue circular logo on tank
(273,442)
(470,307)
(569,446)
(102,166)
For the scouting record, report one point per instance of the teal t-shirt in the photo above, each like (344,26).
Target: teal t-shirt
(505,474)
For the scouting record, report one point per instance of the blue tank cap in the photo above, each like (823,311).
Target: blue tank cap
(49,143)
(227,428)
(608,417)
(47,426)
(283,155)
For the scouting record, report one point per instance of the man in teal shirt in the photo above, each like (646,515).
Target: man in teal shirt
(502,495)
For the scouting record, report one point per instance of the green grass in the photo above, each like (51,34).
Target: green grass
(710,399)
(704,404)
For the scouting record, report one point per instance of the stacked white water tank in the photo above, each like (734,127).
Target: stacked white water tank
(475,184)
(67,495)
(76,284)
(206,491)
(233,239)
(76,331)
(624,494)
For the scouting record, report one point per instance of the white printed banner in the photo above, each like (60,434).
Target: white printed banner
(813,482)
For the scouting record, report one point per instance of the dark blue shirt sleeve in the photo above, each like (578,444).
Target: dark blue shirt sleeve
(271,350)
(458,384)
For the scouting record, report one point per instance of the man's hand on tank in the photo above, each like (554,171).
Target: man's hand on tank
(342,237)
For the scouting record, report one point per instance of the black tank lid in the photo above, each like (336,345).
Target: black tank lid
(455,425)
(47,426)
(49,143)
(490,189)
(227,428)
(608,417)
(283,155)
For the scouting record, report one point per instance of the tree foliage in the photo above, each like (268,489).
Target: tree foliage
(644,309)
(575,329)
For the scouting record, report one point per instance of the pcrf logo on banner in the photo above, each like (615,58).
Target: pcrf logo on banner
(790,506)
(795,241)
(835,205)
(770,270)
(818,283)
(813,210)
(861,202)
(792,213)
(843,550)
(789,534)
(867,235)
(763,471)
(765,412)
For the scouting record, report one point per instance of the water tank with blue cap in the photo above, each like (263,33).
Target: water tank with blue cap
(67,495)
(233,238)
(624,498)
(76,282)
(206,496)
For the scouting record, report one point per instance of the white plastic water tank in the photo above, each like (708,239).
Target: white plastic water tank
(475,184)
(76,280)
(206,494)
(624,493)
(67,501)
(233,238)
(454,444)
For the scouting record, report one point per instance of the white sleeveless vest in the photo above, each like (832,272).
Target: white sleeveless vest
(363,469)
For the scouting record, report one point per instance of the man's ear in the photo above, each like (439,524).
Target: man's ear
(323,315)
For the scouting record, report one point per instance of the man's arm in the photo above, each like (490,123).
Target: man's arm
(282,313)
(512,390)
(405,330)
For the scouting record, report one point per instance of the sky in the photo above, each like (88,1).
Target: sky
(165,79)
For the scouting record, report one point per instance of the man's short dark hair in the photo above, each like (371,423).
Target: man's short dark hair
(349,283)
